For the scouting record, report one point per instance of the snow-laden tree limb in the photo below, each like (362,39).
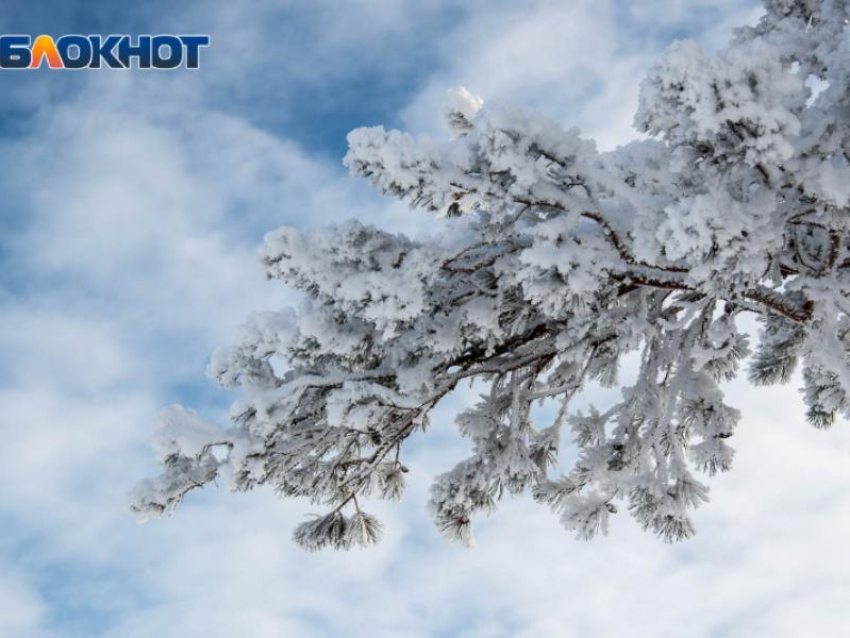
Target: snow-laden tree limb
(556,262)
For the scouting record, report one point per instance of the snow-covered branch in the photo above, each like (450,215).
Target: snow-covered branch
(557,261)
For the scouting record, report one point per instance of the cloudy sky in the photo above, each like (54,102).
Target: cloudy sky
(131,207)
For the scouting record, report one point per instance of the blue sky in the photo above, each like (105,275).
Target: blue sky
(132,207)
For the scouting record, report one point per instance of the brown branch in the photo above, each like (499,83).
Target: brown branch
(780,304)
(773,301)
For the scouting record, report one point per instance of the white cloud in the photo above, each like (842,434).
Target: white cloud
(21,610)
(580,63)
